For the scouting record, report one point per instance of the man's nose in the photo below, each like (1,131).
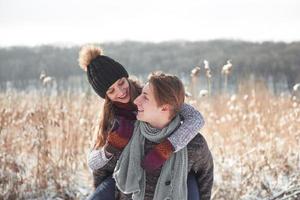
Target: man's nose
(137,100)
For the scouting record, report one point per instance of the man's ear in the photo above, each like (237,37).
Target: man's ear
(165,107)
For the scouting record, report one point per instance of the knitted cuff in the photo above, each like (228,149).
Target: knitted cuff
(111,149)
(117,141)
(156,157)
(164,149)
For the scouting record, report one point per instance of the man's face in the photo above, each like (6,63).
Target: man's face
(148,111)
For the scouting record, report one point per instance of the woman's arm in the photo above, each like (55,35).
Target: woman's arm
(192,122)
(97,159)
(117,139)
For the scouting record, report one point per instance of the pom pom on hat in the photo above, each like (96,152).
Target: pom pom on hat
(87,54)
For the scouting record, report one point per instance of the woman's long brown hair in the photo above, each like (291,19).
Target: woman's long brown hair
(108,115)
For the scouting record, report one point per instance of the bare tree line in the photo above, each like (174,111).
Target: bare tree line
(280,60)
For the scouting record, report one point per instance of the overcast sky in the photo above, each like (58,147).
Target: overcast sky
(32,22)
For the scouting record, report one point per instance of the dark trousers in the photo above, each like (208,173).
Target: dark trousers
(193,190)
(106,190)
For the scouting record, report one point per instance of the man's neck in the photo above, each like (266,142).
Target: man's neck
(160,123)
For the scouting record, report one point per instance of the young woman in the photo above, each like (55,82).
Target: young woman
(110,81)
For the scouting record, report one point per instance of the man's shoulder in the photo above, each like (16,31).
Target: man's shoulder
(198,146)
(198,142)
(198,152)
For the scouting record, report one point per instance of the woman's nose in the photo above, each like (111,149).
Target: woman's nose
(121,91)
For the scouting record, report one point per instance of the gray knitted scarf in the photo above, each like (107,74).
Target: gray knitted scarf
(130,176)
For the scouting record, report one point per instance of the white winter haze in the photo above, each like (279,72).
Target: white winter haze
(34,22)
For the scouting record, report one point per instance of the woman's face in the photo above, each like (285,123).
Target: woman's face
(119,91)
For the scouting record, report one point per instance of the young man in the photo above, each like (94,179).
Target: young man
(158,107)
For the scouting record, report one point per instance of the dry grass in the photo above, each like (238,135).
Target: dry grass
(254,138)
(44,142)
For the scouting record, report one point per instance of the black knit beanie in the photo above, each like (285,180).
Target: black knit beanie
(102,72)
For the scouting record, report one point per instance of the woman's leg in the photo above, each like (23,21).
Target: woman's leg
(193,191)
(105,191)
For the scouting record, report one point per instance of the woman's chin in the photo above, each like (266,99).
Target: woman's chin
(124,100)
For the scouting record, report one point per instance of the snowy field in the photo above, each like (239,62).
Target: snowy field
(253,135)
